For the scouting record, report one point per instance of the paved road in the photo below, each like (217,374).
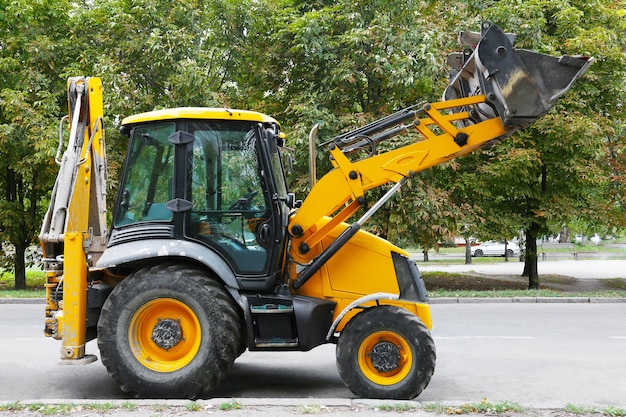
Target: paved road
(534,354)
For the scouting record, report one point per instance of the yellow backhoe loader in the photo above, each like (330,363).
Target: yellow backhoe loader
(209,254)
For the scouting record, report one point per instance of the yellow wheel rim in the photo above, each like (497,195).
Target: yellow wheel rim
(164,335)
(385,358)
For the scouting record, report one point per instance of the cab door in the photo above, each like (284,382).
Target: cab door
(236,209)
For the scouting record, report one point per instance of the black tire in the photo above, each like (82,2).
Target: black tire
(510,253)
(386,352)
(478,253)
(168,331)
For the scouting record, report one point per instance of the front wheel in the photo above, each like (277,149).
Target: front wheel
(478,253)
(168,331)
(386,352)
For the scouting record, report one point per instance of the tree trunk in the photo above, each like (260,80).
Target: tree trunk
(14,193)
(20,267)
(425,252)
(506,250)
(468,252)
(530,263)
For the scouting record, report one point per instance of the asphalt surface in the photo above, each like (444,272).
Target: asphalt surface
(279,407)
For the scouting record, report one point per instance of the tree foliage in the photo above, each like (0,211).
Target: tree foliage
(341,64)
(556,169)
(345,63)
(33,53)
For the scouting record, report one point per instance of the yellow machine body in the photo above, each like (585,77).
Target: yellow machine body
(347,277)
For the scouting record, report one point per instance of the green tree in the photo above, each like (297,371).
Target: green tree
(556,170)
(338,63)
(422,214)
(160,54)
(155,54)
(362,59)
(343,64)
(150,54)
(33,50)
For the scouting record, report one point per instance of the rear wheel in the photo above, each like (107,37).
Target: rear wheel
(168,331)
(478,253)
(386,352)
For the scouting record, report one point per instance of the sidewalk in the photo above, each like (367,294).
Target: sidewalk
(581,269)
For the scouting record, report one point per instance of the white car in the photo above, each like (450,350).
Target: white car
(495,248)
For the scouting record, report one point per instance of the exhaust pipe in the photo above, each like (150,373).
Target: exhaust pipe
(519,85)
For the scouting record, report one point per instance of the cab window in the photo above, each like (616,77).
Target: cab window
(147,183)
(227,194)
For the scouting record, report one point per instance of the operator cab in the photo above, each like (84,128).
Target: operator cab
(211,176)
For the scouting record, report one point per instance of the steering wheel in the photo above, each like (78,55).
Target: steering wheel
(244,202)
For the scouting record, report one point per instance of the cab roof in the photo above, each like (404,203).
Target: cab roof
(209,113)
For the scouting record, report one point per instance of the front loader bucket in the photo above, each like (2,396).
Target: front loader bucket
(519,85)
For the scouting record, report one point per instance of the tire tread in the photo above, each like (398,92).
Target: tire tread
(386,318)
(196,285)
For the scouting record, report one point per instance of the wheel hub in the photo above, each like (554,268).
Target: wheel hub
(167,333)
(385,357)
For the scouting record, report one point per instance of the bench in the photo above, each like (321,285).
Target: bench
(546,245)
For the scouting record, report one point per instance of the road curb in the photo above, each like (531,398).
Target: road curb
(356,406)
(532,300)
(22,301)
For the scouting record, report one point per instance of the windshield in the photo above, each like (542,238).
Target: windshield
(225,171)
(147,184)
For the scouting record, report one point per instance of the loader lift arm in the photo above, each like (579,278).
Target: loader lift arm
(496,90)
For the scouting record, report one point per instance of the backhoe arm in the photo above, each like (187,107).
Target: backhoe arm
(496,89)
(74,228)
